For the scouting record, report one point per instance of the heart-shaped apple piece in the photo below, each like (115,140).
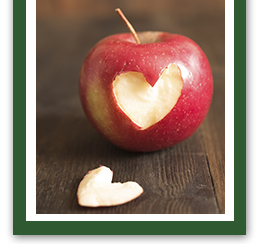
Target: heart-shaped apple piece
(96,189)
(143,104)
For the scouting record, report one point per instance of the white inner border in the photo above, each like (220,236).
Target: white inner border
(31,136)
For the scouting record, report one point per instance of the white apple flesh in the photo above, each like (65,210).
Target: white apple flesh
(146,105)
(97,190)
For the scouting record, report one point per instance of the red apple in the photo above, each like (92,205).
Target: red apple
(147,96)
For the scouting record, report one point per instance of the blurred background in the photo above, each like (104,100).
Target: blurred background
(97,18)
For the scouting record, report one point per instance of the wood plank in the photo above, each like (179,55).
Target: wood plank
(213,134)
(175,180)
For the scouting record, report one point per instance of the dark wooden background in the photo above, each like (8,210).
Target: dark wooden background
(188,178)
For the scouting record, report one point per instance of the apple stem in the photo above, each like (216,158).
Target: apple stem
(128,25)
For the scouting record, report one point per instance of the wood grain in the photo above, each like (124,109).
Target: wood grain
(188,178)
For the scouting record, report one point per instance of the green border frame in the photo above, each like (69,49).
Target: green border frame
(23,227)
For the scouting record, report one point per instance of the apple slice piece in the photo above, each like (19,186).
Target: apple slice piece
(96,189)
(143,104)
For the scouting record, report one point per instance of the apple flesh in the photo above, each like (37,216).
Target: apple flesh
(97,190)
(143,104)
(148,96)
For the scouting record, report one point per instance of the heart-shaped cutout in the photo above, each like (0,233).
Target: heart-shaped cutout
(96,189)
(143,104)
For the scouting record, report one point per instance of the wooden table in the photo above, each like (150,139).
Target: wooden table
(188,178)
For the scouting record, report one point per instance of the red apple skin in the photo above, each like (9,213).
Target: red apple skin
(119,53)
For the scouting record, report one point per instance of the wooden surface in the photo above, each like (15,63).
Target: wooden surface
(188,178)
